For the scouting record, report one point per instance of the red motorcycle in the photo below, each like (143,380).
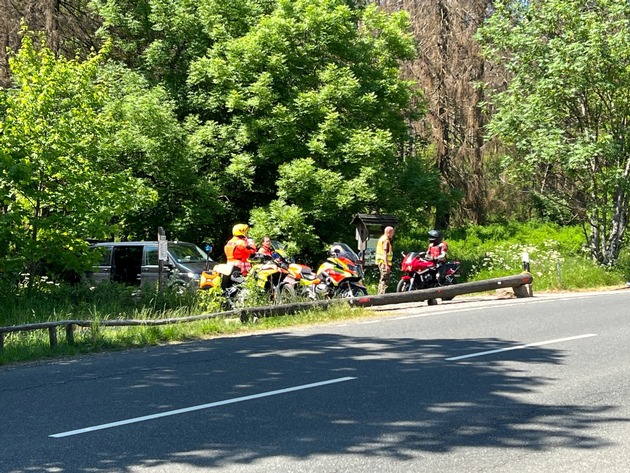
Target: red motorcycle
(422,273)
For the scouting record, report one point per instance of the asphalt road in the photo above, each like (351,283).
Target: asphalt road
(523,385)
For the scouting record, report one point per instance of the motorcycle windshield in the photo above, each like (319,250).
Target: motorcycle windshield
(280,247)
(348,252)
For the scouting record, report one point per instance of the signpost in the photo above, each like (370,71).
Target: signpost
(162,254)
(370,228)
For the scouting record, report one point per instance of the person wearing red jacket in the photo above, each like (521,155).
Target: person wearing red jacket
(437,247)
(265,246)
(238,249)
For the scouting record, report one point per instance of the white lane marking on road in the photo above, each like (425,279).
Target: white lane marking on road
(199,407)
(415,316)
(520,347)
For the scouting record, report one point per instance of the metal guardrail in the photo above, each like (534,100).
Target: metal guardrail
(520,283)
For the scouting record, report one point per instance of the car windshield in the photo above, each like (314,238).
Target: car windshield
(187,253)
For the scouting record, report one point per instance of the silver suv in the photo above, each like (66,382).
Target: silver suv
(136,262)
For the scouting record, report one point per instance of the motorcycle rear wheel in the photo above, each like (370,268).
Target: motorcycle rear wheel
(287,294)
(448,281)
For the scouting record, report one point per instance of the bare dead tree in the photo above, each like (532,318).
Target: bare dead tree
(451,72)
(69,27)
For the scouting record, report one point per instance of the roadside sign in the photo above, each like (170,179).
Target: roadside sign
(162,245)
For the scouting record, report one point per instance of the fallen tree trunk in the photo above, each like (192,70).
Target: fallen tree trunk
(521,283)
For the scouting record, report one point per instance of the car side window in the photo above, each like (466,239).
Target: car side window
(106,256)
(151,255)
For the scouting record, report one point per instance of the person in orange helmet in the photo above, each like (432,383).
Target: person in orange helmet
(238,249)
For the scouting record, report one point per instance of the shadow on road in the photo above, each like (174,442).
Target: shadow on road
(406,400)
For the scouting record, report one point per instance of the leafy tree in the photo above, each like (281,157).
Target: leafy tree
(266,90)
(59,178)
(307,108)
(160,38)
(152,143)
(565,113)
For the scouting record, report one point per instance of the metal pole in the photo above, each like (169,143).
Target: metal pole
(161,255)
(525,261)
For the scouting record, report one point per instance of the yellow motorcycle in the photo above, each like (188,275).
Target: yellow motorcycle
(300,282)
(341,274)
(267,273)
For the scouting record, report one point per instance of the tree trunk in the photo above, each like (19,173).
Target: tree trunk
(449,69)
(51,15)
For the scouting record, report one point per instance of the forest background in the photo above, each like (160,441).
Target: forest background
(117,117)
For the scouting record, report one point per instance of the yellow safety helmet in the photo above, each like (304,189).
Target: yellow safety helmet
(240,229)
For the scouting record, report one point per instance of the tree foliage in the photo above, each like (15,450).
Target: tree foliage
(290,115)
(308,109)
(566,111)
(59,181)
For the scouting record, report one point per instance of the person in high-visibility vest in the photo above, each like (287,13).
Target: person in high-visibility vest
(384,258)
(238,249)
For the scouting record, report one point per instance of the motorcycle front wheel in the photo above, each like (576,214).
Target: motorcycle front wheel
(308,293)
(352,291)
(403,285)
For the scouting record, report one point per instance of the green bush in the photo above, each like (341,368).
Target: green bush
(558,255)
(623,263)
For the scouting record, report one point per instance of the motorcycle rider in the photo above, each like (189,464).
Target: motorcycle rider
(265,246)
(384,258)
(238,249)
(437,249)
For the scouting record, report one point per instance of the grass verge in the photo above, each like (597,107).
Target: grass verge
(35,345)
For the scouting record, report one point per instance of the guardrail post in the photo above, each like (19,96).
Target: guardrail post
(70,334)
(52,332)
(523,291)
(526,261)
(526,289)
(1,341)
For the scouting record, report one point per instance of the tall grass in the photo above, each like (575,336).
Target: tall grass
(45,302)
(24,346)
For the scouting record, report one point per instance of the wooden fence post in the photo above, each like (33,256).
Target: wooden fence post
(52,332)
(70,334)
